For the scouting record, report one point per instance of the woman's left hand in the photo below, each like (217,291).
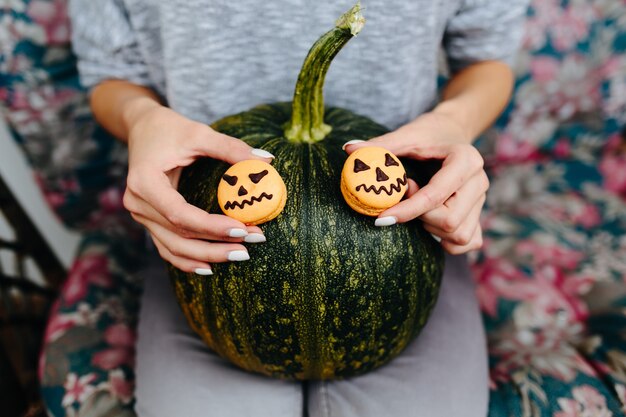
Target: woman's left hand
(450,204)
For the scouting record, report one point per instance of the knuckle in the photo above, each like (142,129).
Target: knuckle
(454,250)
(476,158)
(163,253)
(133,182)
(485,181)
(479,241)
(184,233)
(174,219)
(451,223)
(433,198)
(463,238)
(176,251)
(129,201)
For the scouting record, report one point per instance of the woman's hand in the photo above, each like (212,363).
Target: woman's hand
(160,143)
(450,204)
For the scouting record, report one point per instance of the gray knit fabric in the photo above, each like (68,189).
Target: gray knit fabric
(211,58)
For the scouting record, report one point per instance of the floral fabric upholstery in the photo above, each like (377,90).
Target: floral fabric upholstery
(86,366)
(80,168)
(552,273)
(551,276)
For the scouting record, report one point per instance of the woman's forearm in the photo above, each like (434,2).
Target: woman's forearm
(476,96)
(117,103)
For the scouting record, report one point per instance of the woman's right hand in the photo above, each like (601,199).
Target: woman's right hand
(160,143)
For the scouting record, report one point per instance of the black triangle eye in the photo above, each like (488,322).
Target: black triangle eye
(360,166)
(389,161)
(230,180)
(255,178)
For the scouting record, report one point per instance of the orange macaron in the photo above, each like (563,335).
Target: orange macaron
(252,192)
(373,180)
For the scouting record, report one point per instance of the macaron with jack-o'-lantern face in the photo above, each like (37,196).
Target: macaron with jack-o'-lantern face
(373,180)
(252,192)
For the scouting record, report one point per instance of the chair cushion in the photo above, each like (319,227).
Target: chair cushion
(79,167)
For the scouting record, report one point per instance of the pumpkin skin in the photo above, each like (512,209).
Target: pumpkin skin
(329,295)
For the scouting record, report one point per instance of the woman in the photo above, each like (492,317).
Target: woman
(162,70)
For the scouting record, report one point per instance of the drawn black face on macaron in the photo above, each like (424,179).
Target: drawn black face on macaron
(375,178)
(252,192)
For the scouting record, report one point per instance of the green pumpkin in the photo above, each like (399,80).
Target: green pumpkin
(329,295)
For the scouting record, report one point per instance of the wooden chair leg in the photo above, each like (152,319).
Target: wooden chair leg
(12,398)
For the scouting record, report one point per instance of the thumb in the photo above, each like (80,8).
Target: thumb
(397,142)
(227,148)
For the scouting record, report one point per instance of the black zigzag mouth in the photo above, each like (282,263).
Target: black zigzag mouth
(400,182)
(231,205)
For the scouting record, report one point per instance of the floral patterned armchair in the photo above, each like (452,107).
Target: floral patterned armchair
(551,276)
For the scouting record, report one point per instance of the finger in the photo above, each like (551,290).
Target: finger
(252,237)
(412,189)
(384,141)
(198,250)
(144,213)
(184,264)
(232,150)
(475,243)
(451,177)
(455,210)
(402,142)
(168,203)
(463,234)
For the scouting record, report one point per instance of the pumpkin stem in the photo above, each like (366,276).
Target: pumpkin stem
(307,117)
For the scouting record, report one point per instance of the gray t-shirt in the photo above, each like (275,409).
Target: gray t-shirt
(212,58)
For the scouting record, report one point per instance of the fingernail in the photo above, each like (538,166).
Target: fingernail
(255,238)
(238,255)
(437,238)
(262,154)
(203,271)
(237,233)
(352,142)
(385,221)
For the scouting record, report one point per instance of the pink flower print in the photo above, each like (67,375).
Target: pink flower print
(78,389)
(613,169)
(120,335)
(52,17)
(568,29)
(544,68)
(510,148)
(587,216)
(54,199)
(59,324)
(492,276)
(562,148)
(111,200)
(534,37)
(549,254)
(113,358)
(88,269)
(122,341)
(587,402)
(548,352)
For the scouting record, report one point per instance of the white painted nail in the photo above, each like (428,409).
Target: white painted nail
(203,271)
(352,142)
(437,238)
(237,233)
(261,153)
(255,238)
(238,255)
(385,221)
